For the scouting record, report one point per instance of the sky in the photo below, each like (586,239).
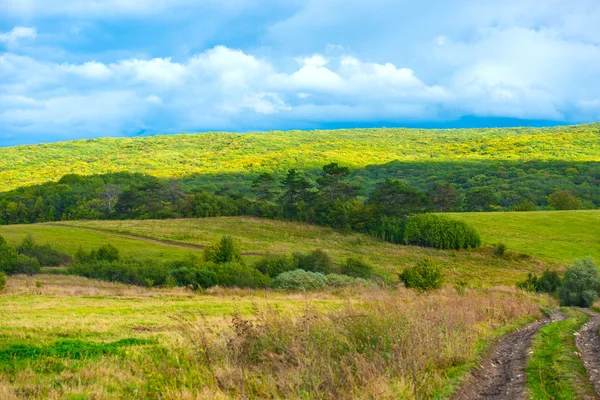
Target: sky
(75,69)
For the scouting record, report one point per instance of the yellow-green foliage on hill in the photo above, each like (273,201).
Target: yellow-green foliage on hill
(218,153)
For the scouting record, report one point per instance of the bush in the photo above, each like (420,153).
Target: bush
(426,275)
(8,257)
(356,268)
(275,265)
(195,277)
(45,254)
(26,265)
(581,284)
(436,231)
(317,261)
(235,274)
(299,280)
(223,252)
(106,252)
(500,249)
(3,281)
(339,281)
(130,271)
(549,282)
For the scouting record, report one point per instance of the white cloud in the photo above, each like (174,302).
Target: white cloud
(17,34)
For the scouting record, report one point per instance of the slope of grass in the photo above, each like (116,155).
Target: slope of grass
(558,236)
(229,153)
(69,239)
(78,338)
(555,370)
(260,236)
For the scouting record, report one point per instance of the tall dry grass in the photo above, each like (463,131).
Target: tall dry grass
(391,344)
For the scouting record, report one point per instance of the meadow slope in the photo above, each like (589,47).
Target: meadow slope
(229,153)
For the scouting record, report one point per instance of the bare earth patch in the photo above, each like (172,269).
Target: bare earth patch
(501,375)
(588,343)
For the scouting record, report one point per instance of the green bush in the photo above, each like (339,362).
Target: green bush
(26,265)
(223,252)
(580,285)
(440,232)
(195,277)
(105,252)
(356,268)
(339,281)
(45,254)
(500,249)
(275,265)
(8,257)
(130,271)
(549,282)
(3,280)
(235,274)
(299,280)
(426,275)
(317,261)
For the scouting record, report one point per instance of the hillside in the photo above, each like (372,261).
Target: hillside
(214,154)
(258,237)
(560,236)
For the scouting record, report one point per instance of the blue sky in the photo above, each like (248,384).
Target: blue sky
(75,69)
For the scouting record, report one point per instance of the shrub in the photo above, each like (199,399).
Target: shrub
(135,272)
(426,275)
(356,268)
(170,282)
(26,265)
(3,280)
(339,281)
(564,200)
(317,261)
(8,257)
(549,282)
(223,252)
(500,249)
(195,277)
(235,274)
(580,285)
(275,265)
(299,280)
(45,254)
(440,232)
(106,252)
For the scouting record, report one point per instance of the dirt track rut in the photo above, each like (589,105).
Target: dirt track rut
(588,343)
(501,375)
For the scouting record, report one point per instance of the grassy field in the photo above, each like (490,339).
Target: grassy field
(559,236)
(230,153)
(73,338)
(260,237)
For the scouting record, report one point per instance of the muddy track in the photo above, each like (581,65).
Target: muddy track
(167,242)
(501,375)
(588,343)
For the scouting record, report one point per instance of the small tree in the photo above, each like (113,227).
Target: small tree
(224,252)
(426,275)
(109,195)
(580,284)
(356,268)
(564,200)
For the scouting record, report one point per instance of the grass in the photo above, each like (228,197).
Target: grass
(78,338)
(555,370)
(69,239)
(259,237)
(558,236)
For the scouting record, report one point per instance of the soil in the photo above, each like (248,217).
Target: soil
(501,375)
(588,343)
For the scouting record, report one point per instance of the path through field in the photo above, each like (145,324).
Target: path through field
(588,343)
(502,374)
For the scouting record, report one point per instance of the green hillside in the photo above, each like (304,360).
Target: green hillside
(229,153)
(158,239)
(560,236)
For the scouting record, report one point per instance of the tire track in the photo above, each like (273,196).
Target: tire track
(588,343)
(501,375)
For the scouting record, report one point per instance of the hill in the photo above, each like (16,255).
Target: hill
(159,240)
(214,154)
(560,236)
